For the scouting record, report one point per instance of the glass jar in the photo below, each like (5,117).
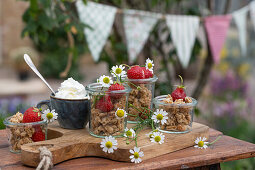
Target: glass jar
(22,133)
(104,104)
(180,116)
(141,95)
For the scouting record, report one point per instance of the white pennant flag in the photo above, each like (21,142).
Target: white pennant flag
(240,17)
(252,12)
(183,32)
(137,26)
(100,18)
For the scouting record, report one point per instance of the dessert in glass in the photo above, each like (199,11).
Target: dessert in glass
(108,108)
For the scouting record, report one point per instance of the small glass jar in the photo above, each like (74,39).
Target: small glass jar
(180,116)
(22,133)
(104,104)
(141,95)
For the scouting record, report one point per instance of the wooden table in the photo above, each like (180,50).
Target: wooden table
(225,149)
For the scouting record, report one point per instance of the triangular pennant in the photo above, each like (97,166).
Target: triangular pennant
(100,18)
(252,12)
(240,17)
(137,26)
(216,29)
(183,32)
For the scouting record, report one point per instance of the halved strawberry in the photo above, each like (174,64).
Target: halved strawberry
(32,114)
(147,73)
(38,136)
(104,104)
(135,72)
(116,87)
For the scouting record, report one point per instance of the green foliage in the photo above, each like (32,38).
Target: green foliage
(47,23)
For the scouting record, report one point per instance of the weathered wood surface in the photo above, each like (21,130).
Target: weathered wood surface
(69,144)
(226,149)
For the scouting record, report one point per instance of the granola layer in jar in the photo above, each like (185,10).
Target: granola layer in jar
(180,113)
(108,110)
(22,133)
(140,96)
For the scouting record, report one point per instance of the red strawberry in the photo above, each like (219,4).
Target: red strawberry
(147,73)
(135,72)
(38,136)
(179,92)
(104,104)
(32,114)
(144,113)
(115,87)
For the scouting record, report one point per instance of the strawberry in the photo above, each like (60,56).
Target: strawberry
(143,114)
(135,72)
(38,135)
(147,73)
(32,114)
(115,87)
(104,104)
(179,92)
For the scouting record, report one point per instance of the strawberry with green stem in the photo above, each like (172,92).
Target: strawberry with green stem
(32,114)
(179,92)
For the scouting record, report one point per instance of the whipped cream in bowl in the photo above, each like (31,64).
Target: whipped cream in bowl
(71,89)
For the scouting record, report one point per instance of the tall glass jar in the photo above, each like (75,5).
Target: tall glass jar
(106,106)
(140,96)
(180,116)
(23,133)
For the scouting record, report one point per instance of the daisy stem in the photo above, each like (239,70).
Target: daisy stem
(215,140)
(137,87)
(152,125)
(126,65)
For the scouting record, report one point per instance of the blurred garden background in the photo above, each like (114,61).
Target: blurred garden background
(52,33)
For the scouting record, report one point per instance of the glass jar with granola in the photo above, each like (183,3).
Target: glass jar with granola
(20,133)
(179,113)
(108,110)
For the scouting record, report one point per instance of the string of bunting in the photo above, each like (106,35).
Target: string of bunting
(138,25)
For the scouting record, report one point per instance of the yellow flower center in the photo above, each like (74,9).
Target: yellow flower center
(118,71)
(157,138)
(150,135)
(108,144)
(136,155)
(106,80)
(120,113)
(149,65)
(200,144)
(49,116)
(159,116)
(156,130)
(128,133)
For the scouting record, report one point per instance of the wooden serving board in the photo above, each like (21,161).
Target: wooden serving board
(67,144)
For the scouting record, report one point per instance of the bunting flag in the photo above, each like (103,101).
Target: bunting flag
(216,29)
(252,12)
(137,26)
(100,18)
(240,17)
(183,32)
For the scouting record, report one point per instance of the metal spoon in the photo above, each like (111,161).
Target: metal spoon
(32,66)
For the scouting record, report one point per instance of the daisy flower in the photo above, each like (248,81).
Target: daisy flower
(106,81)
(120,113)
(129,133)
(157,137)
(201,143)
(50,116)
(151,132)
(109,144)
(136,155)
(160,116)
(118,71)
(149,65)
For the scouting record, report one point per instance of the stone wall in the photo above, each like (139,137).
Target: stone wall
(11,25)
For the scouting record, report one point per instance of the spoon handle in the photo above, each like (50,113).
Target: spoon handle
(32,66)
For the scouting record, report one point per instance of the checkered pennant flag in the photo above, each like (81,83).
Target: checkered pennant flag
(100,18)
(183,32)
(240,17)
(137,26)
